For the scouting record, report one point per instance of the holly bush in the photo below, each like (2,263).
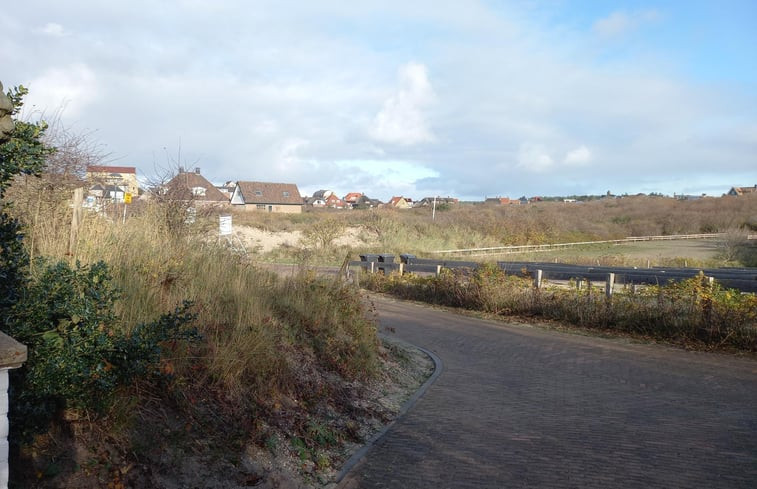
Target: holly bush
(78,355)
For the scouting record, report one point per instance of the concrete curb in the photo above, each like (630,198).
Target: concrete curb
(360,455)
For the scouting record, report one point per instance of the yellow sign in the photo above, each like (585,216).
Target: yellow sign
(127,198)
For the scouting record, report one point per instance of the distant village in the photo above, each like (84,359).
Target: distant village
(109,184)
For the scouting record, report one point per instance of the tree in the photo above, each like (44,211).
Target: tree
(22,151)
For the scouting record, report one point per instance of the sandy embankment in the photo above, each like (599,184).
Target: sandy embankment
(262,241)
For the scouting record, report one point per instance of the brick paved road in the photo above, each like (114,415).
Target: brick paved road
(517,406)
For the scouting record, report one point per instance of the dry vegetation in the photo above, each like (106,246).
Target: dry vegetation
(477,225)
(692,313)
(283,364)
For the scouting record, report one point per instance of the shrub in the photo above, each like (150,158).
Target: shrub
(78,358)
(690,312)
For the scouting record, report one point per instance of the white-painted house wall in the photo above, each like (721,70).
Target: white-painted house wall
(12,355)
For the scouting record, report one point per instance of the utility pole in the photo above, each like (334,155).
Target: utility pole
(433,210)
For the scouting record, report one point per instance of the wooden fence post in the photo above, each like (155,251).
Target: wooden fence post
(73,237)
(402,269)
(609,285)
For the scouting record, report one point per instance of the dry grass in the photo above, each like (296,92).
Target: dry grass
(691,313)
(477,225)
(246,314)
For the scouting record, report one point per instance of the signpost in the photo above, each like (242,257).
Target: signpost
(224,226)
(127,200)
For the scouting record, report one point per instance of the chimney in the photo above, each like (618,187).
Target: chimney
(181,169)
(197,170)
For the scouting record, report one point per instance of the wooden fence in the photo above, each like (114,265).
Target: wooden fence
(558,246)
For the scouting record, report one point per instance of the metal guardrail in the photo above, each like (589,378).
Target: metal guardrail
(553,246)
(743,279)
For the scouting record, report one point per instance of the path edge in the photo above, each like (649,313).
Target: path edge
(359,455)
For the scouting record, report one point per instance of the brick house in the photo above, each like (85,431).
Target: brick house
(267,197)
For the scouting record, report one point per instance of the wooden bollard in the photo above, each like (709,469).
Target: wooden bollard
(402,268)
(609,285)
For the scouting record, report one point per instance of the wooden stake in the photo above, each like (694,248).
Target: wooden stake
(75,220)
(609,285)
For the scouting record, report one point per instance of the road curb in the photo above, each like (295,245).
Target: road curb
(360,455)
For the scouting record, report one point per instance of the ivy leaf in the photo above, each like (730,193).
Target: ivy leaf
(53,338)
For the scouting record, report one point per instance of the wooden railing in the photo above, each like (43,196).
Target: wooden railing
(512,249)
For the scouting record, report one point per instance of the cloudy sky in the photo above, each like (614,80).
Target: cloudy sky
(465,98)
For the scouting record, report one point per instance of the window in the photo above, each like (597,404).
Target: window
(261,207)
(259,193)
(286,194)
(198,191)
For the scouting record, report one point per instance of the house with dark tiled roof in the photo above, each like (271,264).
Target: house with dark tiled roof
(736,191)
(191,186)
(267,197)
(436,201)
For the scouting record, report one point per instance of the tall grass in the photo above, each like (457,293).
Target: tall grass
(247,315)
(690,313)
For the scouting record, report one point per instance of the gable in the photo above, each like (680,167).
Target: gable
(193,186)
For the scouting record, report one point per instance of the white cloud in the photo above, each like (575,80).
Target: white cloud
(73,87)
(401,119)
(620,23)
(534,157)
(578,157)
(285,93)
(52,29)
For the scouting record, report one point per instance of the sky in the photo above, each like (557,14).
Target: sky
(468,99)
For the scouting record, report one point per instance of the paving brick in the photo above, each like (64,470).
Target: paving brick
(517,406)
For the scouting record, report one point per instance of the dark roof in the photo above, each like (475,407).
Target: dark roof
(269,193)
(184,182)
(111,169)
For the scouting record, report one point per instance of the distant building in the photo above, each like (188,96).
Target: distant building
(352,198)
(267,197)
(736,191)
(124,177)
(400,202)
(429,201)
(193,186)
(500,201)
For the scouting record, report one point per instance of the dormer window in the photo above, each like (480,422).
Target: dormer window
(285,193)
(198,191)
(259,193)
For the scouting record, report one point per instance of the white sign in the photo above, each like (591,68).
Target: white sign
(224,225)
